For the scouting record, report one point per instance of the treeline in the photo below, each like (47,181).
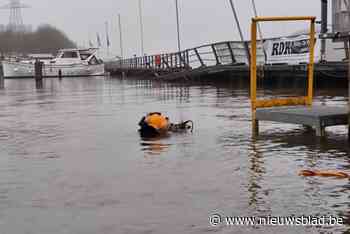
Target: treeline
(46,39)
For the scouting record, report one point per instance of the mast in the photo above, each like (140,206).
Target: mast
(141,28)
(259,29)
(256,15)
(240,31)
(120,37)
(178,26)
(107,38)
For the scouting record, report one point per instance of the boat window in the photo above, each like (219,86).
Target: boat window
(84,56)
(59,55)
(70,54)
(93,61)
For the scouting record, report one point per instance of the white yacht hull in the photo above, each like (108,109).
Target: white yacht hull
(22,70)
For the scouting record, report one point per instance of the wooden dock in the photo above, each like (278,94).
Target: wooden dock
(318,117)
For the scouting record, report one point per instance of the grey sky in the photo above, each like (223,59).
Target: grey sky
(202,21)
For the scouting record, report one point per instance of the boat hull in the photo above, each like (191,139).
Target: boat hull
(26,70)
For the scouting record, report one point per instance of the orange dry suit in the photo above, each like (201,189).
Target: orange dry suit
(154,124)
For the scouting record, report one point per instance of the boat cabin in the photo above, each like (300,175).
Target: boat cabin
(41,56)
(69,56)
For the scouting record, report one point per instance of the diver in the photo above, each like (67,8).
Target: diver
(155,124)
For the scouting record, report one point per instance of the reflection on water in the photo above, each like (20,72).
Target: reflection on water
(72,160)
(154,148)
(155,145)
(256,176)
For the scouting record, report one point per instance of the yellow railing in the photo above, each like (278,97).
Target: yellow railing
(304,100)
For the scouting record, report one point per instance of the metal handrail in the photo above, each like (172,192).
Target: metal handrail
(291,101)
(226,52)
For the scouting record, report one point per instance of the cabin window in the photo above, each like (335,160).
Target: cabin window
(93,61)
(84,56)
(70,54)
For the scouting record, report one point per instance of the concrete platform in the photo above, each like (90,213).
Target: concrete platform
(318,117)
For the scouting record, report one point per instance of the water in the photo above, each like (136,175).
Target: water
(73,162)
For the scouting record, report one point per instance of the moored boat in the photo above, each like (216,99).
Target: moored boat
(68,62)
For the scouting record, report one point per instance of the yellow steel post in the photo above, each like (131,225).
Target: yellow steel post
(253,82)
(311,63)
(304,100)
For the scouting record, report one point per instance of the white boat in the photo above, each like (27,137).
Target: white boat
(69,62)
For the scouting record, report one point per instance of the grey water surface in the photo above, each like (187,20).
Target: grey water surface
(72,160)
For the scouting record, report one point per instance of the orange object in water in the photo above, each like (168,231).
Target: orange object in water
(157,121)
(338,174)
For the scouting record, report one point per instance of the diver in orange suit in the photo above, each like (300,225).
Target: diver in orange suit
(154,124)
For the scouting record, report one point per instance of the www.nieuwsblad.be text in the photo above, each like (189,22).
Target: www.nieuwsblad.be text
(217,220)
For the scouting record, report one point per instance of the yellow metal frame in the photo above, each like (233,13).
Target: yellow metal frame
(305,100)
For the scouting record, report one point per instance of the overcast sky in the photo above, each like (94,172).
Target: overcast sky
(202,21)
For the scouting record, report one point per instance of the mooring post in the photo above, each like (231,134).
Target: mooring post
(2,82)
(38,69)
(60,74)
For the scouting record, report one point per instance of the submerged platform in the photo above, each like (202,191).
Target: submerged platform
(318,117)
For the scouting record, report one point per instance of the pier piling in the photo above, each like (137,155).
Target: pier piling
(60,74)
(38,70)
(2,82)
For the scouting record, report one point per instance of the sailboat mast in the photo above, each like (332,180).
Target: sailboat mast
(178,26)
(240,30)
(256,15)
(107,38)
(141,28)
(120,37)
(259,29)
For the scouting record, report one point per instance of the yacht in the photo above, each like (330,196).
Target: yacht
(68,63)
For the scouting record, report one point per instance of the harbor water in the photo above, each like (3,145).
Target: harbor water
(72,160)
